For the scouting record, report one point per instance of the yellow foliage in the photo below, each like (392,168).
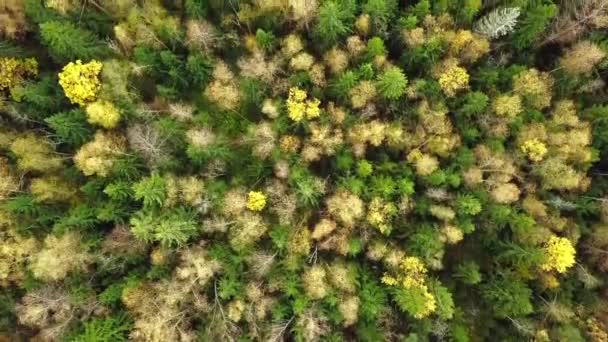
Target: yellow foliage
(52,189)
(466,46)
(299,241)
(62,6)
(224,94)
(559,255)
(442,212)
(60,256)
(323,228)
(13,71)
(425,164)
(315,282)
(507,106)
(362,24)
(345,207)
(581,58)
(8,182)
(80,82)
(35,154)
(379,214)
(235,309)
(248,229)
(291,45)
(289,144)
(349,309)
(412,275)
(505,193)
(535,87)
(302,61)
(298,107)
(336,59)
(97,156)
(451,234)
(534,149)
(15,252)
(362,93)
(256,201)
(103,113)
(453,79)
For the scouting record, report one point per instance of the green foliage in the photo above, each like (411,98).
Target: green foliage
(40,99)
(468,272)
(37,12)
(112,329)
(507,296)
(443,298)
(196,8)
(150,190)
(421,9)
(372,296)
(468,205)
(411,301)
(567,332)
(8,49)
(307,188)
(67,42)
(391,84)
(425,243)
(536,20)
(71,127)
(341,86)
(380,12)
(172,228)
(473,103)
(265,40)
(7,310)
(364,168)
(469,9)
(334,20)
(375,47)
(78,218)
(199,68)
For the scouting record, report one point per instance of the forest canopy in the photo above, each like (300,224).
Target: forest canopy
(303,170)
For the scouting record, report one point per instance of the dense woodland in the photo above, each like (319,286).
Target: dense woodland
(303,170)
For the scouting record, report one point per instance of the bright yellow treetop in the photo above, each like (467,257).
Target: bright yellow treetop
(298,107)
(80,82)
(559,255)
(256,201)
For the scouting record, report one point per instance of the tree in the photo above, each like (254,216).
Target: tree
(391,84)
(171,228)
(334,20)
(66,42)
(497,23)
